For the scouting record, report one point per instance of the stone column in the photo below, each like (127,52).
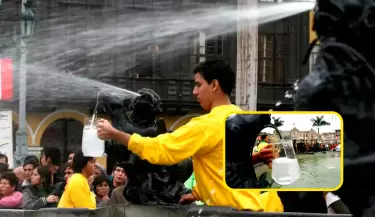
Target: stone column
(247,59)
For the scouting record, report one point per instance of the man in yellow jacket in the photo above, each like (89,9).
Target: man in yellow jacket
(201,139)
(77,193)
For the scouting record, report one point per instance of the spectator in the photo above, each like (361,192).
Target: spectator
(70,156)
(4,159)
(39,194)
(11,198)
(20,173)
(28,167)
(99,170)
(29,158)
(68,172)
(101,190)
(119,176)
(51,157)
(77,193)
(117,185)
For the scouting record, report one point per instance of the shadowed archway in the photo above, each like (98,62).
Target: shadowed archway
(66,134)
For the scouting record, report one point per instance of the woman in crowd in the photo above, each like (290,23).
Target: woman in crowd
(39,194)
(101,190)
(10,197)
(77,192)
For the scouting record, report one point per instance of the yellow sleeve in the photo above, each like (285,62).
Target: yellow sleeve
(80,195)
(169,148)
(195,192)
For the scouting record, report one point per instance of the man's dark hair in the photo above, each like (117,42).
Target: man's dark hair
(220,70)
(11,178)
(263,137)
(4,156)
(31,158)
(54,154)
(67,165)
(121,165)
(32,162)
(80,161)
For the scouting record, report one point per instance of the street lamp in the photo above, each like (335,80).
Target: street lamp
(27,29)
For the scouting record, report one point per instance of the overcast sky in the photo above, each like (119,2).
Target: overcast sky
(303,122)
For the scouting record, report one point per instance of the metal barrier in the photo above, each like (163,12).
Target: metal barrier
(152,211)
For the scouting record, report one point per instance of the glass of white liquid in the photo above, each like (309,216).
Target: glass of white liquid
(285,167)
(92,146)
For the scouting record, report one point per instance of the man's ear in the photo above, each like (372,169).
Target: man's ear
(215,85)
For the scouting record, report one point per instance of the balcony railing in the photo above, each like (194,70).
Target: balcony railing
(271,94)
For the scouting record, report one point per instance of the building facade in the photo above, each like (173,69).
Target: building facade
(57,103)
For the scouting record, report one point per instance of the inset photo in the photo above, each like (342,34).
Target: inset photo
(284,151)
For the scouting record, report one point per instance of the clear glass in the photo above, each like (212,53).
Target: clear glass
(92,146)
(285,166)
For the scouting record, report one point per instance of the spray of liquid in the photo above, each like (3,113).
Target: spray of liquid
(94,113)
(113,42)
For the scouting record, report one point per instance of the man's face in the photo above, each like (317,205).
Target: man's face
(70,157)
(44,160)
(204,91)
(68,173)
(3,160)
(119,175)
(28,168)
(267,139)
(89,168)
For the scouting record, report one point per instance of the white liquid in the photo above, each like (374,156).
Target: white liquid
(92,146)
(285,171)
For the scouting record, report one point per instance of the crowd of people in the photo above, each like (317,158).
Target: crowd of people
(316,147)
(41,183)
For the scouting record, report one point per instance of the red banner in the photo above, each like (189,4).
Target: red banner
(6,79)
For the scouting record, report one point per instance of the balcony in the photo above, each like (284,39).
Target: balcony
(173,92)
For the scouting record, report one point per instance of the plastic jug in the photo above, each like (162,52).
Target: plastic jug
(285,166)
(92,146)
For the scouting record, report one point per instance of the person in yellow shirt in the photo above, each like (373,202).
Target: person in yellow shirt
(77,192)
(264,143)
(201,139)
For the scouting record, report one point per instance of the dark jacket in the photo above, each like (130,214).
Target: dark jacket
(58,177)
(33,201)
(117,197)
(59,188)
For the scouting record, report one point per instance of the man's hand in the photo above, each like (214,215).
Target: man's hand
(187,199)
(105,129)
(267,155)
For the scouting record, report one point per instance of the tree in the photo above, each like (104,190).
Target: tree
(319,122)
(277,122)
